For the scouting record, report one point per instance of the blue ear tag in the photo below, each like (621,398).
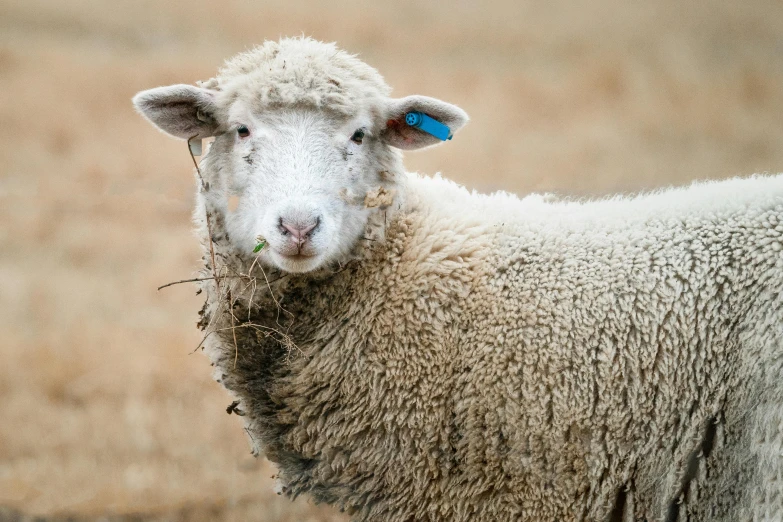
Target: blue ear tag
(429,125)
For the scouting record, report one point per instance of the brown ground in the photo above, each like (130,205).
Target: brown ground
(102,409)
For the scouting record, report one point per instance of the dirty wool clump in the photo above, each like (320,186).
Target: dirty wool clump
(490,358)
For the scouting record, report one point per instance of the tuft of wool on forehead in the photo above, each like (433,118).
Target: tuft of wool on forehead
(296,72)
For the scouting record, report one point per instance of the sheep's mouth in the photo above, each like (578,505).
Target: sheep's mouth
(292,253)
(297,257)
(300,262)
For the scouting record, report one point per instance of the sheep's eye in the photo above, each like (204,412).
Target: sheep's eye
(358,136)
(243,131)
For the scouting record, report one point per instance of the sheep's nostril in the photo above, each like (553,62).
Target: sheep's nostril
(297,230)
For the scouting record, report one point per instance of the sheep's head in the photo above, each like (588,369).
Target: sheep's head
(307,139)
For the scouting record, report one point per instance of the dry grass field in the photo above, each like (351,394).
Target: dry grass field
(104,414)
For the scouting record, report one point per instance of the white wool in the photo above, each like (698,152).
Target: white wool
(299,71)
(441,354)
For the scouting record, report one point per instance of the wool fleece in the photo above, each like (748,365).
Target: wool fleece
(468,357)
(504,359)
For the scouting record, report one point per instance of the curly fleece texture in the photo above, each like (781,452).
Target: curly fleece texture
(487,358)
(504,359)
(298,71)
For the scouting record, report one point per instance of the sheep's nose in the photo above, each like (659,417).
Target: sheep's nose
(298,232)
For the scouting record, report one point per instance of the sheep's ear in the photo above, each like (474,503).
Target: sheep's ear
(183,111)
(398,133)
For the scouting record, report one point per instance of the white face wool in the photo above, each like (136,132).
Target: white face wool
(303,133)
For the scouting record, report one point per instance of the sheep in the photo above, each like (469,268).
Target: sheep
(407,350)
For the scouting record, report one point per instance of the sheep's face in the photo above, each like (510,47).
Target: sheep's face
(296,177)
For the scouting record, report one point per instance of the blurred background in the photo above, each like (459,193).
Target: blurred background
(104,414)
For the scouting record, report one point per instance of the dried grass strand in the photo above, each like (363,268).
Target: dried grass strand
(206,211)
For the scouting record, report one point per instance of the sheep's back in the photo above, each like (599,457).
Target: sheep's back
(618,352)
